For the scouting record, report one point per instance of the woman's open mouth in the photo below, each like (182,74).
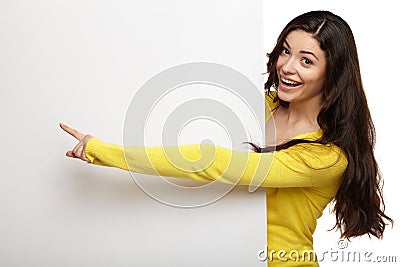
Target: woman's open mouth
(290,83)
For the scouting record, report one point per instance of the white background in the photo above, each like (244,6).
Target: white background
(81,62)
(374,25)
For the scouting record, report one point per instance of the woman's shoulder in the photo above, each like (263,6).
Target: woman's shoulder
(270,104)
(269,99)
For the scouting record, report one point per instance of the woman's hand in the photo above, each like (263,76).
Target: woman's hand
(78,151)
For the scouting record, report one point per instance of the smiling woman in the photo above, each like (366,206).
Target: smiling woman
(324,135)
(315,70)
(301,69)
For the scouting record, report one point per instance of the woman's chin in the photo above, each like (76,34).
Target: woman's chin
(284,96)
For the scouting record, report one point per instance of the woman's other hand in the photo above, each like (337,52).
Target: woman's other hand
(78,151)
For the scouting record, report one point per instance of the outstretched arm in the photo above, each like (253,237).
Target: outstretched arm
(307,165)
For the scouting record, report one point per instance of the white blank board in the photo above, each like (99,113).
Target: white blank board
(81,62)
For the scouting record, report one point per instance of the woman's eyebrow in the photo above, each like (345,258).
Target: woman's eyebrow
(286,43)
(302,51)
(309,53)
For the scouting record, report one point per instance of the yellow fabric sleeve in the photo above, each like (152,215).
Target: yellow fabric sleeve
(302,165)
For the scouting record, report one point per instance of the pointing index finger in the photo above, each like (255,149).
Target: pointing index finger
(78,135)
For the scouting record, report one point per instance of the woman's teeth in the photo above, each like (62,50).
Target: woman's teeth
(290,82)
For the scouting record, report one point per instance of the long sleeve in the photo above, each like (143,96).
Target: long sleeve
(305,165)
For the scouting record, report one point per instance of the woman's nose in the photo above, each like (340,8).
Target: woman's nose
(289,66)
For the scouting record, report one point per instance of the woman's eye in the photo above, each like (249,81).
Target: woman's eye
(285,51)
(306,61)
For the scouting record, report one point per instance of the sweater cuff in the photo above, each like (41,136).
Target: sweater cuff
(90,148)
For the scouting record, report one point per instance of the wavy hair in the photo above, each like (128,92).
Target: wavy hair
(345,120)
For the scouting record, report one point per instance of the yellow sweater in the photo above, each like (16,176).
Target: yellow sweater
(300,181)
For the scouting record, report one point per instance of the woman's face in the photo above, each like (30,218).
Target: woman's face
(301,68)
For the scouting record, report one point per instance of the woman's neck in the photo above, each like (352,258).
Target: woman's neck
(303,113)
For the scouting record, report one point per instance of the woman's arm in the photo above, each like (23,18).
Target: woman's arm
(305,165)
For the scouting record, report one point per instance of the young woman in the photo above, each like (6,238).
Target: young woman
(324,135)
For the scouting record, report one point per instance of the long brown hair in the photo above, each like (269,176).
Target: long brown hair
(345,120)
